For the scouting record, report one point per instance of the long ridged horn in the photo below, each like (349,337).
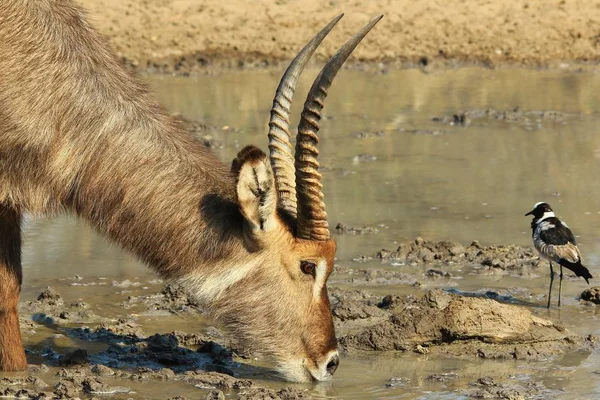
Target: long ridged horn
(280,148)
(312,217)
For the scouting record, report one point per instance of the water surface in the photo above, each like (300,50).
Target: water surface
(387,164)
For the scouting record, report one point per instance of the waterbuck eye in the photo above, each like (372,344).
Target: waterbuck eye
(308,267)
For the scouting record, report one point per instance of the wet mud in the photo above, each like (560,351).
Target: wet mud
(504,258)
(114,355)
(117,355)
(129,356)
(488,388)
(97,380)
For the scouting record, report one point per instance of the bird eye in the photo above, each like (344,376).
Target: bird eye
(308,267)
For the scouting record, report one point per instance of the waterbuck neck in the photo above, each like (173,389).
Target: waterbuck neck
(103,148)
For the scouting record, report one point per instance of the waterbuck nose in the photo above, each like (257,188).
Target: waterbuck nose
(333,363)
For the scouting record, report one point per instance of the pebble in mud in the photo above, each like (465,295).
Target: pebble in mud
(102,370)
(77,357)
(215,395)
(591,294)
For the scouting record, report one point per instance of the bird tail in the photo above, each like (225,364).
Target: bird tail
(578,269)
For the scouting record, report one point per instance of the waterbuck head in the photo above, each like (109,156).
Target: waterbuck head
(281,304)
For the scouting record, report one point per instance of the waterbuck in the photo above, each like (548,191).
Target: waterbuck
(79,133)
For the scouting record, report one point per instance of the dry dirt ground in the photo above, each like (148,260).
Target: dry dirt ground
(188,35)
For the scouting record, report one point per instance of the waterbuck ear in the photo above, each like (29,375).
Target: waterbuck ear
(255,186)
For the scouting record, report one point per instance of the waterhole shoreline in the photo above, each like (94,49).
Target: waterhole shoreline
(89,354)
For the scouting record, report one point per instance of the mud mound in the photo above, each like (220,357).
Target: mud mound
(423,252)
(591,294)
(49,309)
(464,326)
(172,298)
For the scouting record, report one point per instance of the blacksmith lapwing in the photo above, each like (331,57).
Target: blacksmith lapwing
(555,242)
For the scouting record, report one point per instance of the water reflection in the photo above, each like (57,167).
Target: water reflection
(473,182)
(470,183)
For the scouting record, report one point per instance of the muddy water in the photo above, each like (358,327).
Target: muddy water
(393,162)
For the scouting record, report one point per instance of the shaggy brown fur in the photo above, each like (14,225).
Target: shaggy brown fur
(11,348)
(79,133)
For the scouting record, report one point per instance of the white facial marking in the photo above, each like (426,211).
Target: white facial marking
(547,214)
(210,287)
(320,276)
(537,204)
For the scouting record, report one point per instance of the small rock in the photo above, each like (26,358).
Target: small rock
(421,350)
(445,377)
(50,297)
(77,357)
(591,294)
(215,395)
(102,370)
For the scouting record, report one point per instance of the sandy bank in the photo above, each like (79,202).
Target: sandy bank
(187,35)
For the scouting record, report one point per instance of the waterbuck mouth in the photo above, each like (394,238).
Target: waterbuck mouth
(325,369)
(305,370)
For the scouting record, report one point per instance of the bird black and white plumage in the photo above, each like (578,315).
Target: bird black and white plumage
(555,242)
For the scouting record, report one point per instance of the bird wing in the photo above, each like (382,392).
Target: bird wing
(568,252)
(558,241)
(555,232)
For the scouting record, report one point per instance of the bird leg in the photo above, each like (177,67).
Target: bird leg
(560,285)
(551,280)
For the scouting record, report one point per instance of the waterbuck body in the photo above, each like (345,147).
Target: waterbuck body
(80,134)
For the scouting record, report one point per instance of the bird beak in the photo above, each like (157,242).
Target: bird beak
(529,213)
